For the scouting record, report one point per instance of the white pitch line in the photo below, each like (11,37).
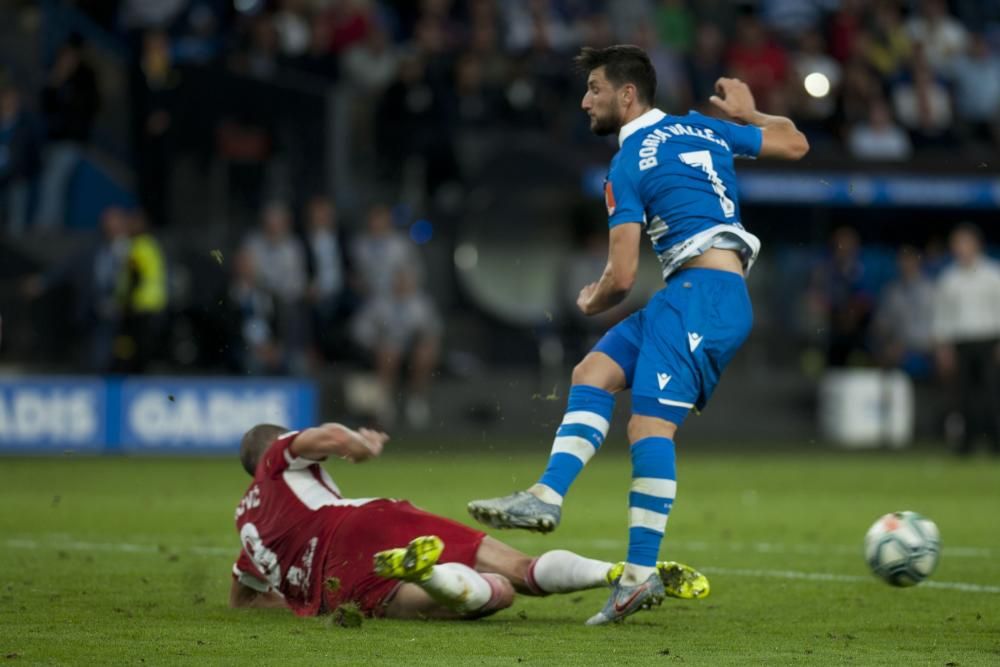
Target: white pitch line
(768,547)
(125,547)
(844,578)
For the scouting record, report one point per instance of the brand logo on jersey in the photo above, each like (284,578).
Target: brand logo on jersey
(609,197)
(663,379)
(694,340)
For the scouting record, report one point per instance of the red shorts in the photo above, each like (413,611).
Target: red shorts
(380,525)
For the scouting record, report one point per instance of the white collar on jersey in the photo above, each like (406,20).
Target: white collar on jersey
(645,120)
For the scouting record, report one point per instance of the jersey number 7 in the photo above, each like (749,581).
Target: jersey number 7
(703,160)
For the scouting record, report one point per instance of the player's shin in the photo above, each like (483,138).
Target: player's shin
(461,588)
(583,429)
(654,486)
(562,571)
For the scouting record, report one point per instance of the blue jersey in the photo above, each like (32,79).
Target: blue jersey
(675,175)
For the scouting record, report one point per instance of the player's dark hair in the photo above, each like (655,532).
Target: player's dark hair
(622,63)
(255,442)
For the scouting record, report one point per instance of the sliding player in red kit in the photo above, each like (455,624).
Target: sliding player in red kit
(308,548)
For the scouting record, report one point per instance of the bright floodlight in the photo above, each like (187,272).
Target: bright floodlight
(817,84)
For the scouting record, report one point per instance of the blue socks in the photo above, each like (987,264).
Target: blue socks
(580,435)
(654,486)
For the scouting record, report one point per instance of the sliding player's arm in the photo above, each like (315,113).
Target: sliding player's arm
(619,274)
(244,597)
(330,439)
(779,136)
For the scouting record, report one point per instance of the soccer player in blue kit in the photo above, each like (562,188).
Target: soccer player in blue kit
(674,179)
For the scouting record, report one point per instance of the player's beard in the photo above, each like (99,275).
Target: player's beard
(602,126)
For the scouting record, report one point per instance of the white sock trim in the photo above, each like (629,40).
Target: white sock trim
(591,419)
(546,494)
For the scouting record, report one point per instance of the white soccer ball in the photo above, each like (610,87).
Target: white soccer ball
(903,548)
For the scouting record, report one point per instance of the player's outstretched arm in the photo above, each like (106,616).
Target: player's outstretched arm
(619,274)
(780,138)
(337,440)
(244,597)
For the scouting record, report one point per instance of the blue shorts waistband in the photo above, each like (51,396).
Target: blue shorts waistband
(703,272)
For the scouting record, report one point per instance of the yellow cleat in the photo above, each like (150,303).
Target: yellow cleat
(413,562)
(679,580)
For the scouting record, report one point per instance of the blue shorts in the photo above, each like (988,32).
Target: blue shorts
(674,350)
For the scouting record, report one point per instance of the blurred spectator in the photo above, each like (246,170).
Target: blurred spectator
(705,63)
(380,252)
(977,91)
(96,275)
(326,258)
(792,17)
(348,23)
(860,91)
(904,317)
(280,266)
(839,292)
(153,99)
(278,254)
(536,23)
(371,65)
(69,102)
(318,59)
(143,297)
(879,138)
(844,26)
(397,327)
(922,103)
(940,35)
(146,14)
(759,61)
(967,333)
(20,160)
(260,59)
(256,348)
(675,25)
(291,23)
(887,44)
(199,42)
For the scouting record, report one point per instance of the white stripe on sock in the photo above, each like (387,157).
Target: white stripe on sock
(651,486)
(591,419)
(643,518)
(579,447)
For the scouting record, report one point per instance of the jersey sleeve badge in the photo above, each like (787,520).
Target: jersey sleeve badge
(609,197)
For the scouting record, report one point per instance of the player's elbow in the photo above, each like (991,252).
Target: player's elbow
(622,280)
(798,146)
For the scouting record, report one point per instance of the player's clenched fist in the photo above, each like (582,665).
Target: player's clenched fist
(373,440)
(734,97)
(583,301)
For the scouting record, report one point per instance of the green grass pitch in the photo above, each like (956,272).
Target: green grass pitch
(127,561)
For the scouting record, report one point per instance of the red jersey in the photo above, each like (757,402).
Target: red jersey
(287,521)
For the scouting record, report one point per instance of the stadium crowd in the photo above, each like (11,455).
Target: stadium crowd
(885,80)
(882,80)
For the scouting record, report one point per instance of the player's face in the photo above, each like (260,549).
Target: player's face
(601,104)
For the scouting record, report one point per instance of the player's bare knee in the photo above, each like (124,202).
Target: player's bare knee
(503,591)
(641,426)
(598,370)
(518,572)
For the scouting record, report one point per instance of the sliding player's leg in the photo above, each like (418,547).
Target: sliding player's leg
(556,571)
(439,590)
(606,370)
(561,571)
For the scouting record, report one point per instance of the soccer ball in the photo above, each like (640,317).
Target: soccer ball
(903,548)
